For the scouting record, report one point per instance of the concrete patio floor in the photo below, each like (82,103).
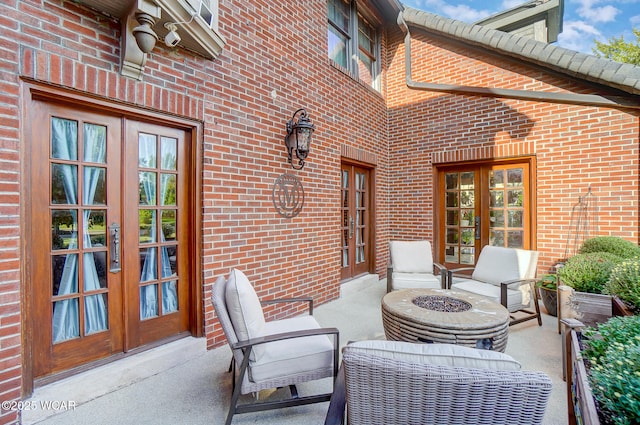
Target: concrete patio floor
(183,383)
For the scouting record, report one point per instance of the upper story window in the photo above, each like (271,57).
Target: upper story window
(353,42)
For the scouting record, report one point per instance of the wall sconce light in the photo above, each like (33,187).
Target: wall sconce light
(298,137)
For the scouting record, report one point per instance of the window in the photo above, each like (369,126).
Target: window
(353,41)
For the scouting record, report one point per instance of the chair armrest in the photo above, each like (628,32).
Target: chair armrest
(338,402)
(291,300)
(519,281)
(284,335)
(451,272)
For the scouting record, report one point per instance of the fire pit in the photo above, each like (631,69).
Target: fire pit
(445,316)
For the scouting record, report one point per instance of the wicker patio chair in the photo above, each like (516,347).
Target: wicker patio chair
(385,382)
(271,354)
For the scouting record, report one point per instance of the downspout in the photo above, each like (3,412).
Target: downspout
(538,96)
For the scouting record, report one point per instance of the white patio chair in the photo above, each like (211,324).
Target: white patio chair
(507,276)
(411,266)
(271,354)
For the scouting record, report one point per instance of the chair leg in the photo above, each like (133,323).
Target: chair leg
(535,303)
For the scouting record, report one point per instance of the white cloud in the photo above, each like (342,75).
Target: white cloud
(509,4)
(579,36)
(590,11)
(464,13)
(635,20)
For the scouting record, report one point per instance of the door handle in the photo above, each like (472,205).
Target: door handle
(351,226)
(114,246)
(477,227)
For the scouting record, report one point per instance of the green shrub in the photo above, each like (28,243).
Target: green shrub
(588,272)
(613,352)
(625,282)
(612,244)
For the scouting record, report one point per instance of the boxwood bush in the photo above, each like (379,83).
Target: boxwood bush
(625,283)
(612,244)
(588,272)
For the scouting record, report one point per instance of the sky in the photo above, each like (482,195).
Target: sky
(584,20)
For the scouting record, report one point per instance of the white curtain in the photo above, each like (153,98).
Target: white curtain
(65,315)
(95,314)
(148,294)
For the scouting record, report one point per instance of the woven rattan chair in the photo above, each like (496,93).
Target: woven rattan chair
(271,354)
(396,382)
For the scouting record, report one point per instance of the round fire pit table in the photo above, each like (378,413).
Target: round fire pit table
(445,316)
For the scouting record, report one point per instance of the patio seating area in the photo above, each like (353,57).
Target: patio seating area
(182,382)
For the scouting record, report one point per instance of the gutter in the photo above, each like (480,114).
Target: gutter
(538,96)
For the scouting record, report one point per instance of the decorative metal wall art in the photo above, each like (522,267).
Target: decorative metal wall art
(288,195)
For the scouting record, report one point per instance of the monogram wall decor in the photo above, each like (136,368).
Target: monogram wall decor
(288,195)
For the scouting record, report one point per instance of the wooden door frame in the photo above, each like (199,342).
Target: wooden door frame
(371,248)
(32,90)
(439,211)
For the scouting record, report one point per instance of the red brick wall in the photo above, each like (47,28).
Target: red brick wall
(274,62)
(576,147)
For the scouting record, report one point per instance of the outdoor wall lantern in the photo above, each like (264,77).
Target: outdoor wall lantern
(298,137)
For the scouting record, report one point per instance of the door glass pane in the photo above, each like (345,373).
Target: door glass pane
(515,218)
(496,179)
(169,265)
(66,320)
(148,265)
(452,217)
(467,255)
(95,313)
(95,229)
(496,237)
(64,184)
(452,199)
(147,231)
(148,301)
(169,225)
(451,181)
(168,152)
(64,139)
(515,198)
(64,274)
(515,177)
(496,218)
(95,143)
(515,239)
(451,254)
(95,187)
(147,188)
(168,189)
(496,198)
(64,229)
(95,270)
(169,297)
(147,150)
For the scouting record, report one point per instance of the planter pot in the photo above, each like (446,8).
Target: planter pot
(619,308)
(591,309)
(581,404)
(550,300)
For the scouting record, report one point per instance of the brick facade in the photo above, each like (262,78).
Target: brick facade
(275,62)
(575,146)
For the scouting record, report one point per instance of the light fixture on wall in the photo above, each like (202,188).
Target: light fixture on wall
(298,138)
(144,35)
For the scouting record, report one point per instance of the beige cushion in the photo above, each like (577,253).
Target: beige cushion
(415,280)
(437,354)
(411,256)
(245,310)
(292,356)
(517,298)
(497,264)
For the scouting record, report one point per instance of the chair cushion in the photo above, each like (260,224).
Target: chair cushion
(517,299)
(498,264)
(415,280)
(437,354)
(294,356)
(245,310)
(411,256)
